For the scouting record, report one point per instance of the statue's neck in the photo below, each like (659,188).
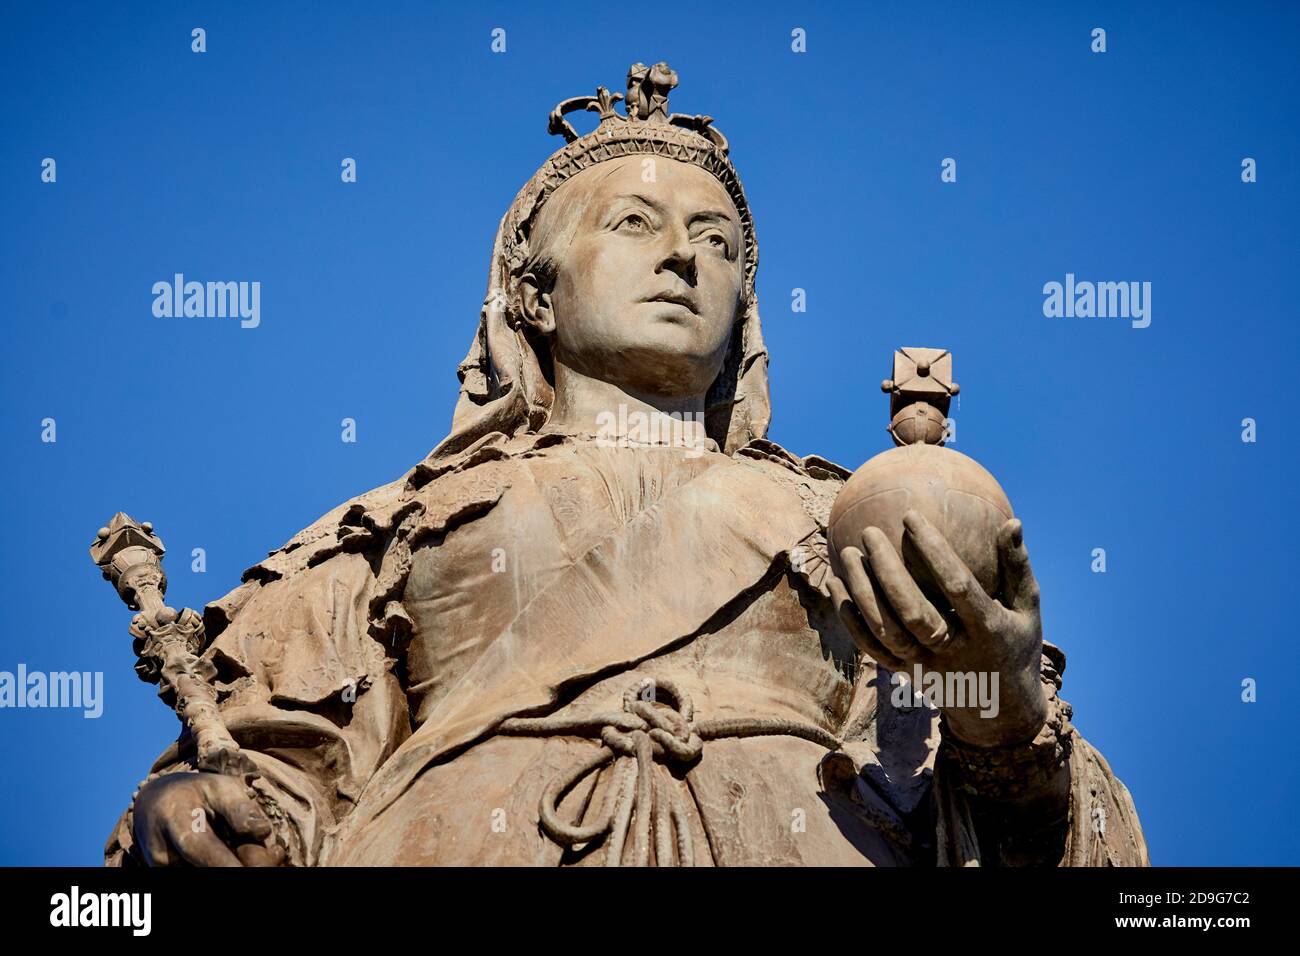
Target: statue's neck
(588,405)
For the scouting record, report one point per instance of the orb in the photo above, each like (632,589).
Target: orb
(955,493)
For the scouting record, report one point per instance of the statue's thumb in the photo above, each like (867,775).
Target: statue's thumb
(1019,589)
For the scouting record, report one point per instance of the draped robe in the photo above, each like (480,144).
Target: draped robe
(370,666)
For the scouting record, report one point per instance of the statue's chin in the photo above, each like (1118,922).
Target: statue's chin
(671,357)
(665,373)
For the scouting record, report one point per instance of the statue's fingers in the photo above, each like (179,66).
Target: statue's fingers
(950,573)
(866,641)
(1020,588)
(859,587)
(153,846)
(231,799)
(886,630)
(254,854)
(200,847)
(912,607)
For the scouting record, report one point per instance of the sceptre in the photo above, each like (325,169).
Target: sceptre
(167,643)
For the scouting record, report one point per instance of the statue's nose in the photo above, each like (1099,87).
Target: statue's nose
(680,256)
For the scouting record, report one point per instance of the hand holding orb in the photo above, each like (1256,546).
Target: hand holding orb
(925,548)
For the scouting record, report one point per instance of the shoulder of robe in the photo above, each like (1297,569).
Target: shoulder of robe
(816,481)
(430,498)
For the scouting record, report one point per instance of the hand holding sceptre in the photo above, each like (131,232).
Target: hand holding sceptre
(168,645)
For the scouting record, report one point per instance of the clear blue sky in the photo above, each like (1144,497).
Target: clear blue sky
(1122,166)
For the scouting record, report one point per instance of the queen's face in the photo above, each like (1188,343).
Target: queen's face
(648,278)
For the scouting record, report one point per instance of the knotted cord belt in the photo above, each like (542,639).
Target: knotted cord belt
(636,738)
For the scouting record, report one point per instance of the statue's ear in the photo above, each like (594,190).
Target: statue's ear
(536,302)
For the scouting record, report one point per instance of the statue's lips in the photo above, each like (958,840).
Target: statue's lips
(675,298)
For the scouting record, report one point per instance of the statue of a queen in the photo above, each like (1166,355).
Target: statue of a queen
(598,624)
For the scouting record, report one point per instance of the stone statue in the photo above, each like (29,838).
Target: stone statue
(601,624)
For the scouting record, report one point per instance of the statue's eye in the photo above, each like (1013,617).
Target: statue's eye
(634,222)
(718,241)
